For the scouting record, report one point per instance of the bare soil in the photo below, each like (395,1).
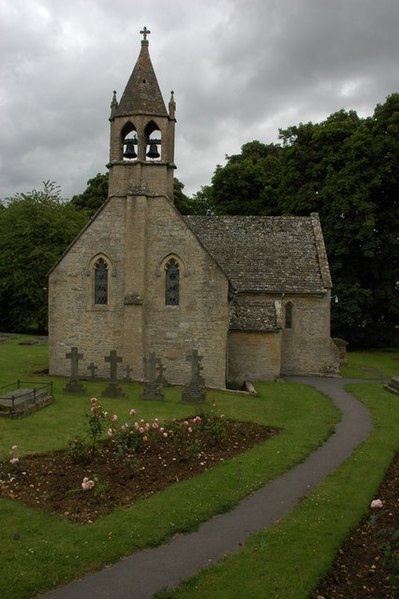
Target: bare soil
(53,481)
(367,565)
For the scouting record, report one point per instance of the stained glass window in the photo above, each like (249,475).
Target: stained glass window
(172,283)
(101,282)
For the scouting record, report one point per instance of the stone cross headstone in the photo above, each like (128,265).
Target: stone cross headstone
(128,371)
(194,391)
(92,367)
(74,385)
(152,389)
(113,389)
(161,378)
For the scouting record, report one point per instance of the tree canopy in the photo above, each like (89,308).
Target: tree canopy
(346,169)
(35,228)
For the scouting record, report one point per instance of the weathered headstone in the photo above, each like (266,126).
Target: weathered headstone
(92,367)
(128,371)
(194,391)
(152,388)
(74,385)
(113,389)
(393,385)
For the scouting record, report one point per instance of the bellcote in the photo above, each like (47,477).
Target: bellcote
(142,132)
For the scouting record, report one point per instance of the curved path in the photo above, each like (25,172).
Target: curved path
(149,571)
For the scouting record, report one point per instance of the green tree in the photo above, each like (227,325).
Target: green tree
(346,169)
(343,168)
(35,229)
(248,183)
(198,204)
(94,195)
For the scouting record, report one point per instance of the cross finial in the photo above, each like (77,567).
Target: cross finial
(145,32)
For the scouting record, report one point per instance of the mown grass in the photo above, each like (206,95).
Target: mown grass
(39,551)
(371,364)
(289,560)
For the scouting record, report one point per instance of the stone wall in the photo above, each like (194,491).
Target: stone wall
(137,235)
(253,356)
(307,347)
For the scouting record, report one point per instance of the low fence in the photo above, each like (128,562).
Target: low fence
(31,395)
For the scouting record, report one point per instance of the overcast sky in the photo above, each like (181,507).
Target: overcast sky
(240,70)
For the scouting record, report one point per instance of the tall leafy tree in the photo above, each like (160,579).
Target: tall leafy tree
(95,194)
(248,183)
(35,228)
(346,169)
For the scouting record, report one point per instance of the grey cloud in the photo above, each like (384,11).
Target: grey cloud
(240,69)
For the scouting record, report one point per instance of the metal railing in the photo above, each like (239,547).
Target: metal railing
(35,390)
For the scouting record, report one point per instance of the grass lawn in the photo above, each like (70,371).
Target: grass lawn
(290,559)
(372,364)
(39,551)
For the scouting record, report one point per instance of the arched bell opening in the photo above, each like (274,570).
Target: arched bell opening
(129,142)
(153,138)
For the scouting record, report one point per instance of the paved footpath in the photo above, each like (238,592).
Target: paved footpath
(149,571)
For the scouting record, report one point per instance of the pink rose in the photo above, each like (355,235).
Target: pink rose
(14,460)
(376,503)
(110,432)
(132,412)
(190,430)
(114,418)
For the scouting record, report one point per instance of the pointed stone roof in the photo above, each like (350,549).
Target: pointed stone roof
(142,94)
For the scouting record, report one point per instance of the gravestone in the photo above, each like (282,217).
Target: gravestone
(194,392)
(152,387)
(113,389)
(74,385)
(393,385)
(92,367)
(128,371)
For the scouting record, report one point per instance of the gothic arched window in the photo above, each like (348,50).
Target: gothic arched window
(172,283)
(101,282)
(288,315)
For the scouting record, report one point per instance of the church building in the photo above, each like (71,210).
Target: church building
(250,293)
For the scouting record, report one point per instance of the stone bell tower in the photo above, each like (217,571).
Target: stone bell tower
(142,134)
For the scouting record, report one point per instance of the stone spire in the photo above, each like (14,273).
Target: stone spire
(142,94)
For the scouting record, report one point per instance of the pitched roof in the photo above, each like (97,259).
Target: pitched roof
(142,94)
(247,315)
(267,253)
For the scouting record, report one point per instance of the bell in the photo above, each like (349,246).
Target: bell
(153,151)
(130,152)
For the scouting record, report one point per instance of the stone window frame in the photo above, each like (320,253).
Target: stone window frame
(92,282)
(288,315)
(182,274)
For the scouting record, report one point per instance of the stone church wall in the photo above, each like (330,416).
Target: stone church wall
(74,320)
(137,235)
(253,356)
(200,321)
(306,346)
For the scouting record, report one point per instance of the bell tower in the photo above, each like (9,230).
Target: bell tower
(142,134)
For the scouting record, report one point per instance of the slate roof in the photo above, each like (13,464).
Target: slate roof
(247,315)
(142,94)
(267,254)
